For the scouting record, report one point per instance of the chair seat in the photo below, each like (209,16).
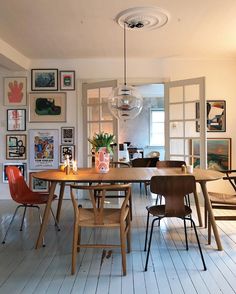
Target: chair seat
(159,210)
(35,198)
(221,198)
(111,217)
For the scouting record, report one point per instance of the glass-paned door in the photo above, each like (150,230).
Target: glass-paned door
(183,139)
(96,115)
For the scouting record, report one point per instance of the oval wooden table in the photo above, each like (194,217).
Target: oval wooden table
(125,175)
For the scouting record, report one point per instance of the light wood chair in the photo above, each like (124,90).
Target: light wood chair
(110,218)
(117,164)
(173,189)
(223,201)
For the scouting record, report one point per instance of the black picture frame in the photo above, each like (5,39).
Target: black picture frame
(22,167)
(67,150)
(16,120)
(44,79)
(216,116)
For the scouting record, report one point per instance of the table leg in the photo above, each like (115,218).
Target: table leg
(46,215)
(211,215)
(198,209)
(62,189)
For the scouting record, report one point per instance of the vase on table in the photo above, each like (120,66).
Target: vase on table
(102,160)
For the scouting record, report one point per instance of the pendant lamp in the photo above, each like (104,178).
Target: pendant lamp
(125,102)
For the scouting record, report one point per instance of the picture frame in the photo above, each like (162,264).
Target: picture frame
(16,119)
(16,146)
(67,80)
(43,149)
(38,185)
(44,79)
(216,116)
(68,135)
(20,165)
(218,153)
(47,107)
(15,91)
(67,150)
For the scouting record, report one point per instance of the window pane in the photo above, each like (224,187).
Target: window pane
(157,128)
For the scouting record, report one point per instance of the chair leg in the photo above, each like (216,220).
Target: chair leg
(23,217)
(40,219)
(74,247)
(123,249)
(12,219)
(149,243)
(131,206)
(128,233)
(55,220)
(146,234)
(199,246)
(185,233)
(209,230)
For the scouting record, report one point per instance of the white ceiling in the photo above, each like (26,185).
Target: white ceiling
(86,28)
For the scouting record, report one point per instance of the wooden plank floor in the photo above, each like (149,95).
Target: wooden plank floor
(171,268)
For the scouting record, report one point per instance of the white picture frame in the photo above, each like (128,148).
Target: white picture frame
(43,149)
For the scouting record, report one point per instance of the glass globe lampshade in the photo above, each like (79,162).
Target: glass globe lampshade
(125,102)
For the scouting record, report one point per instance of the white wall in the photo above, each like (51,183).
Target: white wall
(220,84)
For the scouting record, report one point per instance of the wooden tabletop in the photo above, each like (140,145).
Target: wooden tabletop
(128,175)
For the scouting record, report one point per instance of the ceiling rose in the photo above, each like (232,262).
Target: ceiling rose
(143,18)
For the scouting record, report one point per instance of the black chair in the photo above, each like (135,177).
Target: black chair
(145,162)
(173,189)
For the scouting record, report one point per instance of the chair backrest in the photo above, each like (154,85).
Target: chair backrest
(17,185)
(119,164)
(99,211)
(231,177)
(170,163)
(173,189)
(145,162)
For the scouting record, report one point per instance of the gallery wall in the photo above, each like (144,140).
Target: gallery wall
(220,85)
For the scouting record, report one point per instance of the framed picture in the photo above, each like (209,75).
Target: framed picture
(21,166)
(67,80)
(15,147)
(44,79)
(43,149)
(38,185)
(16,119)
(218,153)
(67,135)
(67,150)
(216,116)
(15,91)
(47,107)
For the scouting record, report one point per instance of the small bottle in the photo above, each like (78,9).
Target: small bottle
(183,168)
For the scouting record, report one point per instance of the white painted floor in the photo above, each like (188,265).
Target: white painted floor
(171,269)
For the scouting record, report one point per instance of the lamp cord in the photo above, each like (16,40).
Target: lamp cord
(125,53)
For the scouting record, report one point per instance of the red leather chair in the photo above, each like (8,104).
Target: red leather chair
(22,194)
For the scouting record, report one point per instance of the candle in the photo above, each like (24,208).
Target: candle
(74,166)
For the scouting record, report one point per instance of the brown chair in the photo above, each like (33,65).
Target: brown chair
(223,201)
(116,164)
(170,163)
(145,162)
(26,198)
(110,218)
(173,189)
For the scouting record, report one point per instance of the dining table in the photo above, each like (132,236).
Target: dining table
(123,175)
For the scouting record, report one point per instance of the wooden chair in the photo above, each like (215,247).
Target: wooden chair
(116,164)
(25,197)
(145,162)
(170,163)
(110,218)
(173,188)
(223,201)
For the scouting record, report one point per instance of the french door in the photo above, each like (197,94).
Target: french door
(184,140)
(96,114)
